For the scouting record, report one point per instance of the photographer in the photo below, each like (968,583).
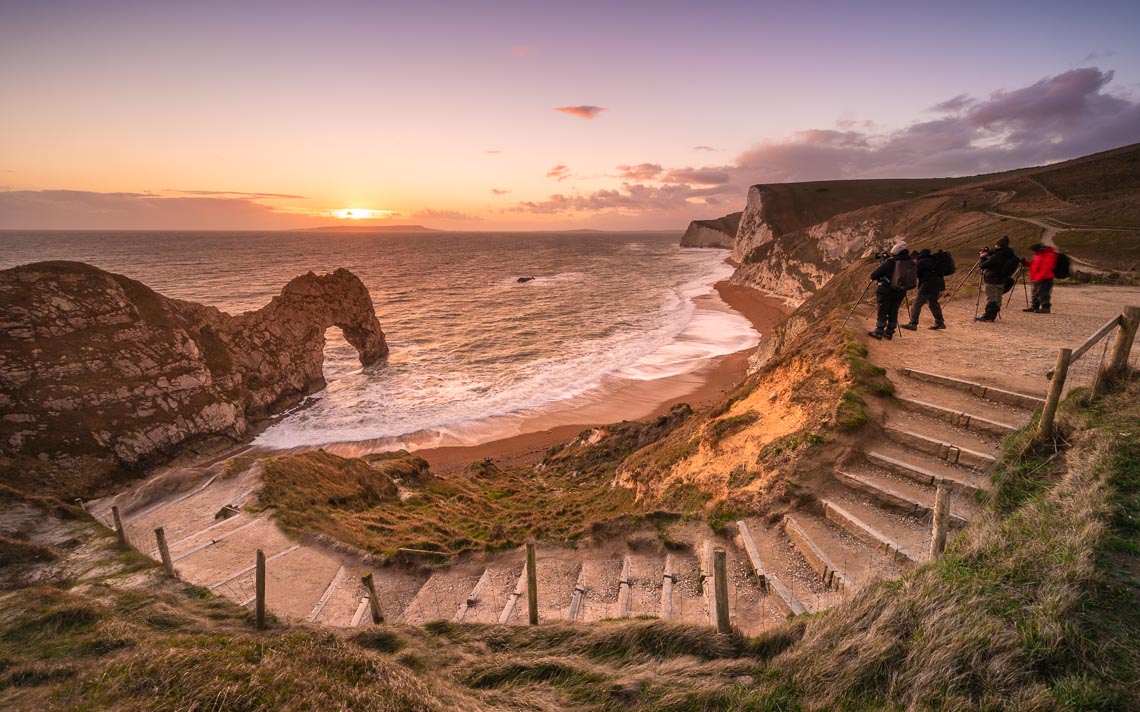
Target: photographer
(931,284)
(894,277)
(997,265)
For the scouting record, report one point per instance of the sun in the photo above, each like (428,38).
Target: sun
(359,213)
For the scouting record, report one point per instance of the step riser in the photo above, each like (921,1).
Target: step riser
(894,500)
(866,533)
(1019,400)
(828,573)
(944,451)
(923,478)
(959,419)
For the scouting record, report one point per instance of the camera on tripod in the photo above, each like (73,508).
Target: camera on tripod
(882,255)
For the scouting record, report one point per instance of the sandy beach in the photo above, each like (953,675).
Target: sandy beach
(627,400)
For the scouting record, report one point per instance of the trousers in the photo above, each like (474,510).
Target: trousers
(935,307)
(888,316)
(1043,294)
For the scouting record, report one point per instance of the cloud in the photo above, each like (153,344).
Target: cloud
(642,171)
(559,173)
(521,51)
(499,191)
(430,214)
(585,111)
(701,176)
(1057,118)
(85,210)
(493,151)
(238,194)
(705,148)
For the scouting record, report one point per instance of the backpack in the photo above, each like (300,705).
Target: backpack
(1063,268)
(905,275)
(945,262)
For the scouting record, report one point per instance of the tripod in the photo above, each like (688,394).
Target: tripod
(1020,271)
(857,303)
(964,279)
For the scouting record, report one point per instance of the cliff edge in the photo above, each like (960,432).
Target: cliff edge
(100,374)
(720,232)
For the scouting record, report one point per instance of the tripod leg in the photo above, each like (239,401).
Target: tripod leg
(1025,289)
(978,301)
(857,303)
(960,284)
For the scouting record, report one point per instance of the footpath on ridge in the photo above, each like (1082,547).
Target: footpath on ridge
(957,393)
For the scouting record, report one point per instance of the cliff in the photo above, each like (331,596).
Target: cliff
(99,373)
(794,237)
(712,233)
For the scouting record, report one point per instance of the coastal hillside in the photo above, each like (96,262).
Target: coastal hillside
(720,232)
(101,376)
(795,237)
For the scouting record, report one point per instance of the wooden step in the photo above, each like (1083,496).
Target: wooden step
(960,419)
(793,604)
(707,583)
(830,574)
(923,475)
(944,451)
(475,595)
(749,546)
(1021,400)
(891,497)
(865,532)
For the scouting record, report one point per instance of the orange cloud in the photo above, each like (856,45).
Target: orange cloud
(585,111)
(499,191)
(642,171)
(560,172)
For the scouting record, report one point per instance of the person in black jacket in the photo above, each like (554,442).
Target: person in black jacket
(888,297)
(931,284)
(997,266)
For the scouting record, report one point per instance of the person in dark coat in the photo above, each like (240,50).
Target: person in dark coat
(1041,266)
(997,265)
(888,297)
(931,284)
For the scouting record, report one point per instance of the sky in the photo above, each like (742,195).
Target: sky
(471,115)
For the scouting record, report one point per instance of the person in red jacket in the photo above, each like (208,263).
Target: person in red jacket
(1041,267)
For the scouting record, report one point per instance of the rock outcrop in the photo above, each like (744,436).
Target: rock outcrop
(100,373)
(712,233)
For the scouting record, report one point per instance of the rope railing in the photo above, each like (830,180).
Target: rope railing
(1081,367)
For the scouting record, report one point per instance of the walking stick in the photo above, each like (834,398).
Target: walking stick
(964,279)
(1025,289)
(857,302)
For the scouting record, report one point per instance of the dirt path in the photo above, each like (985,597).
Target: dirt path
(1016,351)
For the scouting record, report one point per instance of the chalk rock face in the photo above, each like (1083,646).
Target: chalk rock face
(712,233)
(99,370)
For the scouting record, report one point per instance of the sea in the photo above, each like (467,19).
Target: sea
(476,354)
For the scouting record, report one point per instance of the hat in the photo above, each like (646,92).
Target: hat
(1004,241)
(1037,247)
(899,247)
(925,252)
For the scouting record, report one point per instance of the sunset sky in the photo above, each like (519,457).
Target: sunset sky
(530,115)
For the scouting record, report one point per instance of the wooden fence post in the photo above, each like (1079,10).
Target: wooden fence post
(1056,386)
(720,584)
(1118,363)
(164,553)
(122,533)
(259,583)
(373,599)
(941,520)
(531,584)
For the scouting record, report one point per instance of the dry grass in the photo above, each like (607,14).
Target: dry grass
(354,501)
(1032,607)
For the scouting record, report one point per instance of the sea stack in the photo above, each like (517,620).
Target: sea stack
(99,372)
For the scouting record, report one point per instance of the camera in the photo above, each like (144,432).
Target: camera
(882,255)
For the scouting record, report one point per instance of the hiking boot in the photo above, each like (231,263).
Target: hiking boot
(888,335)
(1031,310)
(909,327)
(875,334)
(1043,310)
(987,319)
(937,327)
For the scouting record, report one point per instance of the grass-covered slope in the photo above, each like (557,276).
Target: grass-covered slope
(1033,607)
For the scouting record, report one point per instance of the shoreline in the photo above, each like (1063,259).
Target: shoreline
(629,400)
